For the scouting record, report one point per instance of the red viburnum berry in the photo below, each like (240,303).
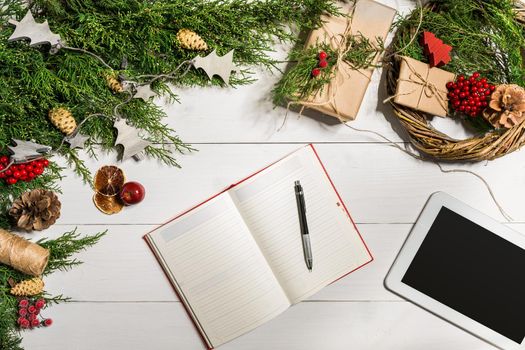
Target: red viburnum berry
(24,323)
(40,303)
(22,312)
(47,322)
(23,303)
(35,323)
(316,72)
(32,309)
(322,55)
(323,64)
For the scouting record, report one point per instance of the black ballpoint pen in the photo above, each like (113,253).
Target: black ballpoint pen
(305,235)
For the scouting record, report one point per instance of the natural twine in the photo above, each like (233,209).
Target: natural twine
(429,88)
(21,254)
(426,139)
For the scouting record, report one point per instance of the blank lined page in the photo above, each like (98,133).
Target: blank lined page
(219,270)
(268,205)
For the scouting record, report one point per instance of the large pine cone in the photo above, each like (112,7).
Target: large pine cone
(36,210)
(506,107)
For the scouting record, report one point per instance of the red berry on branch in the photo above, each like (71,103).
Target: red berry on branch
(22,312)
(47,322)
(323,64)
(449,85)
(31,309)
(45,162)
(8,172)
(461,78)
(35,323)
(24,323)
(316,72)
(323,55)
(475,75)
(4,159)
(23,303)
(32,317)
(40,303)
(11,180)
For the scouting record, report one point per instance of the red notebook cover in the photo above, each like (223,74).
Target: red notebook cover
(228,188)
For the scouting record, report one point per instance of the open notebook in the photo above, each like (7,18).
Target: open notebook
(236,260)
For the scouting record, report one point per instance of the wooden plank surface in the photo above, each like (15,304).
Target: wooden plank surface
(327,326)
(122,300)
(379,183)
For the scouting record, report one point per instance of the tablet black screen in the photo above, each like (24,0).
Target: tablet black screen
(473,271)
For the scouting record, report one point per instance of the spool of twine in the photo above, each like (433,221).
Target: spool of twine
(22,255)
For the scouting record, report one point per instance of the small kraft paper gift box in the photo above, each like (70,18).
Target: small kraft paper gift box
(422,88)
(342,97)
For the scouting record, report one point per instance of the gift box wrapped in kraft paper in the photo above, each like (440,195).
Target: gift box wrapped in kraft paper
(342,97)
(421,87)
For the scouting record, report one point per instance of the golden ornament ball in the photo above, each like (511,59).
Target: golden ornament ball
(63,120)
(190,40)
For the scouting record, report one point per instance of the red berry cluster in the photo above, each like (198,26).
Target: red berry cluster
(470,95)
(29,312)
(21,172)
(323,63)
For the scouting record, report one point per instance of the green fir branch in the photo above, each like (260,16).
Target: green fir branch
(61,252)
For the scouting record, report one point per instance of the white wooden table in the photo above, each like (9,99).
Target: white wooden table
(122,300)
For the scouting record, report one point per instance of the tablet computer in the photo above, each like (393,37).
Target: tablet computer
(466,268)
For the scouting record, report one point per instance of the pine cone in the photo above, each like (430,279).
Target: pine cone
(28,288)
(114,84)
(63,120)
(190,40)
(36,210)
(506,106)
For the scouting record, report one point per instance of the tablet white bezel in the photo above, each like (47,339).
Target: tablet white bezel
(410,248)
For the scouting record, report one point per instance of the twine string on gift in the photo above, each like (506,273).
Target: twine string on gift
(414,35)
(429,89)
(340,43)
(445,171)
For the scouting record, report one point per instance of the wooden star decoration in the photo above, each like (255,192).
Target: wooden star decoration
(77,141)
(37,33)
(128,137)
(144,92)
(25,151)
(216,65)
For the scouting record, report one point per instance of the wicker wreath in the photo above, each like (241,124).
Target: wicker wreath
(438,145)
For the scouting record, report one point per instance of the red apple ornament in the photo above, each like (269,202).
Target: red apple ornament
(132,193)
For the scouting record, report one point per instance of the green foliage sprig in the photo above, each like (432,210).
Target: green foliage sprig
(484,36)
(32,81)
(62,250)
(297,84)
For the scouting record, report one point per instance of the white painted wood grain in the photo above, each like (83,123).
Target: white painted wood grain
(306,326)
(379,183)
(123,300)
(122,268)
